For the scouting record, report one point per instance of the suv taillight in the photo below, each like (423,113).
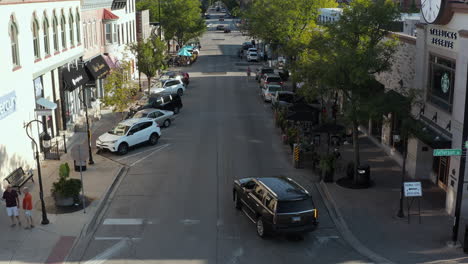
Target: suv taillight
(281,83)
(266,82)
(315,214)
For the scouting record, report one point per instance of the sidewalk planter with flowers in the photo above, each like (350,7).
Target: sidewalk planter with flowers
(66,191)
(327,167)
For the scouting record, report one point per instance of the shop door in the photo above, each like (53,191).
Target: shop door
(441,167)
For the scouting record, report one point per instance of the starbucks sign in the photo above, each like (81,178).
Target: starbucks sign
(445,83)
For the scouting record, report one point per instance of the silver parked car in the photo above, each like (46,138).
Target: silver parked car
(162,117)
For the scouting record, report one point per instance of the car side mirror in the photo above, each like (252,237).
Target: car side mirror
(130,133)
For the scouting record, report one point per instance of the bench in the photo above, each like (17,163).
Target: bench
(18,178)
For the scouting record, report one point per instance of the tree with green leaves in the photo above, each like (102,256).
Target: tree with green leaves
(346,55)
(180,19)
(288,25)
(150,57)
(119,87)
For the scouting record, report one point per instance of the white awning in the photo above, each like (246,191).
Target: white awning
(46,103)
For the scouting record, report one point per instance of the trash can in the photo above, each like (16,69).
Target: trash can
(78,164)
(363,175)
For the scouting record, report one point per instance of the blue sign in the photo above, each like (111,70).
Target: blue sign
(7,104)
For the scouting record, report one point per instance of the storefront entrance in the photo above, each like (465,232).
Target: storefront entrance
(441,167)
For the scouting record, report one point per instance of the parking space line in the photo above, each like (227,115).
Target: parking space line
(136,154)
(108,253)
(143,158)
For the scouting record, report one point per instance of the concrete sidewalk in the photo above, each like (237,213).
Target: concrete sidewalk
(51,243)
(370,214)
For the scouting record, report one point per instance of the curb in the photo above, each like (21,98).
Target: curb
(89,226)
(343,228)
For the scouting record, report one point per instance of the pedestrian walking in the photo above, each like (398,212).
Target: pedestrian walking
(10,196)
(249,71)
(27,207)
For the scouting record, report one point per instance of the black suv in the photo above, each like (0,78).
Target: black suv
(275,205)
(170,102)
(261,71)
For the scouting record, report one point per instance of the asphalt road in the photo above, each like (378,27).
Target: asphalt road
(175,204)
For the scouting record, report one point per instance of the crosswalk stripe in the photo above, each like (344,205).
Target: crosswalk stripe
(123,221)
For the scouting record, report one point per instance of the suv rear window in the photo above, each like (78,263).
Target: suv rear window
(295,206)
(268,71)
(273,79)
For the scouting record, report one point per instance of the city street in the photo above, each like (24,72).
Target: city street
(175,203)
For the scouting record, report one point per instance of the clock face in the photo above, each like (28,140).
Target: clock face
(431,10)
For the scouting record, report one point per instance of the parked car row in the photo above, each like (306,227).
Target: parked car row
(145,121)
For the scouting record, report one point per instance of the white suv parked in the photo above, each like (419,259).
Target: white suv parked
(170,86)
(129,133)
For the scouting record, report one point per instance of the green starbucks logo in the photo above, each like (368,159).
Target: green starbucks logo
(445,83)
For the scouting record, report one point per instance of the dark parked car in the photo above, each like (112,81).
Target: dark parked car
(261,71)
(227,30)
(220,27)
(276,205)
(163,101)
(282,99)
(174,74)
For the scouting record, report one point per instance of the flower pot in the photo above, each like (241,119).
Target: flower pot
(63,201)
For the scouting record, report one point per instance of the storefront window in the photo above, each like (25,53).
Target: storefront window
(441,82)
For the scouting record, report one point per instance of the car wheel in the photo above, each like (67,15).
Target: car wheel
(122,149)
(153,140)
(261,231)
(167,123)
(237,202)
(176,110)
(180,92)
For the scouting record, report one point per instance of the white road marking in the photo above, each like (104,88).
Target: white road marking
(108,253)
(190,221)
(219,222)
(324,239)
(236,255)
(123,221)
(143,158)
(117,238)
(136,154)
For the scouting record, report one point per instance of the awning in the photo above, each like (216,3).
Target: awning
(184,52)
(74,78)
(107,15)
(431,137)
(97,67)
(109,61)
(46,103)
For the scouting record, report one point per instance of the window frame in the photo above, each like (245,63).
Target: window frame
(85,35)
(55,33)
(36,38)
(63,31)
(46,35)
(71,28)
(443,104)
(14,44)
(108,33)
(78,27)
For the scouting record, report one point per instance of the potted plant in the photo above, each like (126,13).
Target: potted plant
(327,167)
(65,191)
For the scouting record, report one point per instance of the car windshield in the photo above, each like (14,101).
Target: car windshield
(140,115)
(274,88)
(286,97)
(253,54)
(119,130)
(295,206)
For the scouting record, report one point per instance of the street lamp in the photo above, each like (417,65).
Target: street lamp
(160,24)
(46,144)
(91,161)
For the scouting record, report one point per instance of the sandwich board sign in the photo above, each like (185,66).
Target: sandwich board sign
(412,189)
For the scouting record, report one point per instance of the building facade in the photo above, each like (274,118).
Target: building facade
(43,38)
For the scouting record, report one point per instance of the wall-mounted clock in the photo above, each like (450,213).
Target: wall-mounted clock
(432,9)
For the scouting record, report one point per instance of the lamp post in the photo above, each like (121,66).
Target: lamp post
(46,144)
(160,24)
(91,161)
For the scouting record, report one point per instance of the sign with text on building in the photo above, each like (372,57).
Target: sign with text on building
(7,104)
(447,152)
(441,37)
(412,189)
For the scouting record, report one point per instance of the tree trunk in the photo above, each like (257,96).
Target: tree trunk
(149,84)
(356,150)
(139,81)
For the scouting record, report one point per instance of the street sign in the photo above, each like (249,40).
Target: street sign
(447,152)
(412,189)
(80,153)
(43,112)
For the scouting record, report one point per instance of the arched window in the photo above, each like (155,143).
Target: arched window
(78,27)
(45,30)
(71,28)
(13,30)
(55,32)
(63,33)
(36,38)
